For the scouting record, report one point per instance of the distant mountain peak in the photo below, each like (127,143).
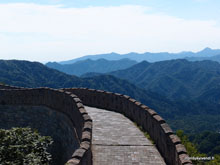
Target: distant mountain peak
(112,53)
(141,64)
(148,56)
(100,65)
(144,62)
(206,49)
(208,52)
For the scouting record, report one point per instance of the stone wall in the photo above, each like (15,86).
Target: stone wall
(166,141)
(168,144)
(48,122)
(55,113)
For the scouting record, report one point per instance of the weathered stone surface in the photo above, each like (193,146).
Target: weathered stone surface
(117,141)
(184,159)
(86,136)
(175,139)
(180,149)
(88,126)
(150,121)
(159,119)
(73,162)
(61,101)
(57,115)
(79,153)
(126,155)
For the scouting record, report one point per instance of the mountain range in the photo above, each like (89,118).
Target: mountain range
(212,58)
(174,79)
(148,56)
(180,112)
(101,66)
(192,87)
(34,74)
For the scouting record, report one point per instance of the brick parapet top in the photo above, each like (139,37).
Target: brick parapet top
(85,141)
(178,147)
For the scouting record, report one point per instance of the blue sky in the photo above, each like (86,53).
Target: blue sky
(56,30)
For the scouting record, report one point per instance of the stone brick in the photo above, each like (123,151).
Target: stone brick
(159,119)
(180,149)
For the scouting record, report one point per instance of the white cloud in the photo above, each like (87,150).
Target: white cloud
(43,33)
(201,0)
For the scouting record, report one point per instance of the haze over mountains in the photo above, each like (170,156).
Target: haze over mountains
(101,66)
(150,57)
(212,58)
(183,92)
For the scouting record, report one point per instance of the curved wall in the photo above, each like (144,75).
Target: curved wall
(48,122)
(166,141)
(53,106)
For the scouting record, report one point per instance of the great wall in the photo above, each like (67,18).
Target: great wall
(61,114)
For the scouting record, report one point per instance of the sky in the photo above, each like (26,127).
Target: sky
(58,30)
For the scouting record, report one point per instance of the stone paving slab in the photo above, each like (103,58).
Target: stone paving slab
(115,155)
(117,141)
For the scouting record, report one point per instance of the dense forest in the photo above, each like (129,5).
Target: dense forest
(184,114)
(192,88)
(202,145)
(192,113)
(175,79)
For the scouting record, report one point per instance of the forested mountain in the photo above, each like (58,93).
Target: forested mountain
(205,144)
(101,66)
(148,56)
(34,74)
(176,79)
(193,87)
(181,114)
(212,58)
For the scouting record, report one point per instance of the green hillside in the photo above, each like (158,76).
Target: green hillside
(181,114)
(33,74)
(175,79)
(193,87)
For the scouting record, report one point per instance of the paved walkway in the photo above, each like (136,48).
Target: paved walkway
(117,141)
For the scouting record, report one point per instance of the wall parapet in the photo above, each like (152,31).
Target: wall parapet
(63,102)
(168,144)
